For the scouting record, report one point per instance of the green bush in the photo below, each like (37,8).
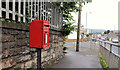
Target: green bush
(2,19)
(65,48)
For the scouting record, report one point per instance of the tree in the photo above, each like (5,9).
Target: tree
(68,7)
(107,32)
(87,35)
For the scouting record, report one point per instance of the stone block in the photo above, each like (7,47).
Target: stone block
(16,51)
(0,65)
(34,64)
(4,31)
(33,49)
(21,42)
(0,56)
(27,34)
(5,53)
(52,51)
(8,44)
(46,59)
(13,32)
(31,64)
(7,38)
(48,53)
(53,55)
(8,62)
(21,66)
(34,55)
(21,36)
(0,48)
(28,64)
(42,54)
(45,53)
(42,60)
(26,49)
(23,58)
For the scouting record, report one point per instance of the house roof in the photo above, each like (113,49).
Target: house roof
(111,35)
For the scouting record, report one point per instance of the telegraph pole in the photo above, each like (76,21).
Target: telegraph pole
(86,23)
(79,23)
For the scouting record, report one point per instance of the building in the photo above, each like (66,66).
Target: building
(111,35)
(74,34)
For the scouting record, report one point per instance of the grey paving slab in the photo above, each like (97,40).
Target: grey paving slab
(87,57)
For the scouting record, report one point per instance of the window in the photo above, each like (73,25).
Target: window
(21,19)
(16,7)
(16,18)
(22,7)
(10,16)
(3,14)
(4,4)
(26,9)
(10,5)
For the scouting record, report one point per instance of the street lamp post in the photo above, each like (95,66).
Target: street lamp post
(87,20)
(86,23)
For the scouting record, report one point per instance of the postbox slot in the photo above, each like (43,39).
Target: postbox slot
(47,25)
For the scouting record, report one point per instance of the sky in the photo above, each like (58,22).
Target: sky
(101,14)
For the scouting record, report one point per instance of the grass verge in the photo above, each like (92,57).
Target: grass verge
(103,62)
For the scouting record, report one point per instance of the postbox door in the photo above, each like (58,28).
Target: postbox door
(36,34)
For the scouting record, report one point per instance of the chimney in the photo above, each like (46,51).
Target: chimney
(111,31)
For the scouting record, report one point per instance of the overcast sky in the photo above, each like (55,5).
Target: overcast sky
(104,14)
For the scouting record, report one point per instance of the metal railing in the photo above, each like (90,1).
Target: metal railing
(22,10)
(111,52)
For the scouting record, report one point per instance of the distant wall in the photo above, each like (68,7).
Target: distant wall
(74,40)
(16,53)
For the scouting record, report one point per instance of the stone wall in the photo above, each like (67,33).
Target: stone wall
(16,53)
(108,54)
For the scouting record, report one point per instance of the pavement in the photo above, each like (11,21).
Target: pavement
(87,57)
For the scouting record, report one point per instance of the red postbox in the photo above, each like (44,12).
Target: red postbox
(39,34)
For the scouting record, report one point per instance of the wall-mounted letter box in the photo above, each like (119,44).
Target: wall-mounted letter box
(39,34)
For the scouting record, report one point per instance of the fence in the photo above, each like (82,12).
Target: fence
(111,52)
(25,10)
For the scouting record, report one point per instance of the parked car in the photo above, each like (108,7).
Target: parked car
(97,39)
(103,39)
(115,40)
(93,39)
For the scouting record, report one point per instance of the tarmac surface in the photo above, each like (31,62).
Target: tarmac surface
(87,57)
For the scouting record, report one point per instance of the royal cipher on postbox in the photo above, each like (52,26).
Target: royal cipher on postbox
(39,34)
